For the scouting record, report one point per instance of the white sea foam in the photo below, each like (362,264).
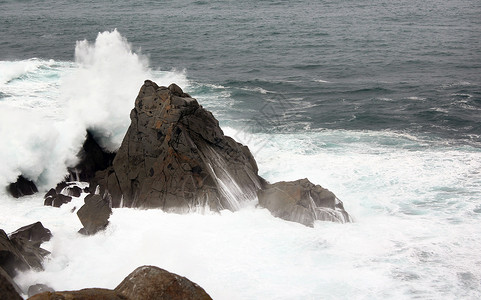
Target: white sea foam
(415,234)
(49,105)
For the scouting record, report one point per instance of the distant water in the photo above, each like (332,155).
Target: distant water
(377,101)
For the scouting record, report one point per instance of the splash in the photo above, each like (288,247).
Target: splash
(47,106)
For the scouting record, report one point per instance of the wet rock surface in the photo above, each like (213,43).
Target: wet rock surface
(22,187)
(175,157)
(19,252)
(85,294)
(8,289)
(94,214)
(144,283)
(303,202)
(149,283)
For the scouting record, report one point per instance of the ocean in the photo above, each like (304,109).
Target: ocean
(378,101)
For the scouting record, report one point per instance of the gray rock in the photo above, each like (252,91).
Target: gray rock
(38,288)
(151,283)
(94,214)
(174,156)
(303,202)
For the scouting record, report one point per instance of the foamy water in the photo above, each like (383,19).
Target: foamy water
(415,199)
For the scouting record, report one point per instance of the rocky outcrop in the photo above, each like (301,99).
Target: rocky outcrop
(22,187)
(175,157)
(303,202)
(144,283)
(149,283)
(94,214)
(21,251)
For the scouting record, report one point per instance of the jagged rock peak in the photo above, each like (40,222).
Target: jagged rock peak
(175,156)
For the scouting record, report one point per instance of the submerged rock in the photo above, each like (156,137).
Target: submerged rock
(175,157)
(22,187)
(150,283)
(94,214)
(303,202)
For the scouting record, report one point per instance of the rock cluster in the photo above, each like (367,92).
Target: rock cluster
(175,157)
(144,283)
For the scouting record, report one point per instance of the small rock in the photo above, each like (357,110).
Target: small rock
(60,199)
(51,193)
(150,283)
(74,191)
(94,214)
(38,288)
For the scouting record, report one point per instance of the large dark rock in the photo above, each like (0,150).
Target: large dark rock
(22,187)
(94,214)
(175,157)
(303,202)
(92,159)
(85,294)
(8,289)
(21,251)
(151,283)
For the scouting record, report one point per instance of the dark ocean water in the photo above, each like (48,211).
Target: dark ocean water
(406,66)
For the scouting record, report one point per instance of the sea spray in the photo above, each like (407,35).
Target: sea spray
(46,106)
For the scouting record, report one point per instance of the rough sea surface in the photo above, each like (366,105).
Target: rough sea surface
(378,101)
